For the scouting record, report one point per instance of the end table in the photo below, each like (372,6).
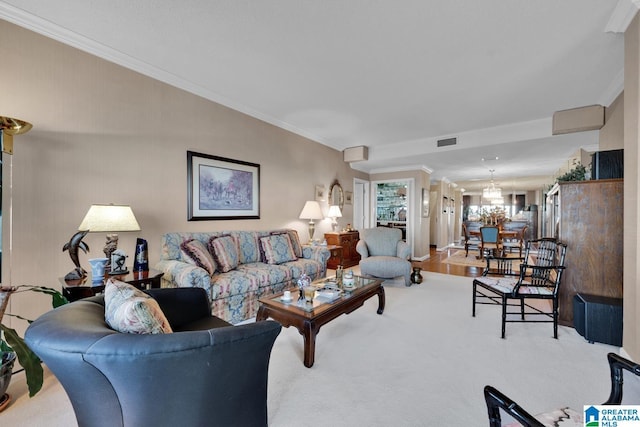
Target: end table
(74,290)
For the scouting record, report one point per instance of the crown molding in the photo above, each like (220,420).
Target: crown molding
(622,16)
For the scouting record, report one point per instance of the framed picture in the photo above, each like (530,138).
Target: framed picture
(348,198)
(320,193)
(425,203)
(220,188)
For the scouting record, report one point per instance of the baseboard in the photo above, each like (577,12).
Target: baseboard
(422,258)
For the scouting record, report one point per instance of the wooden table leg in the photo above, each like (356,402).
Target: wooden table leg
(262,314)
(309,333)
(381,300)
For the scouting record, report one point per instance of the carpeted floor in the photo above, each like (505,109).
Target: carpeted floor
(423,362)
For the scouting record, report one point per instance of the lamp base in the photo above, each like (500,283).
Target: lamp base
(110,246)
(312,229)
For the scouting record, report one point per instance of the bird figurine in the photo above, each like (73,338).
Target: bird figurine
(72,246)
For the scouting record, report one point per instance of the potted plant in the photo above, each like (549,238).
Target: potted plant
(11,342)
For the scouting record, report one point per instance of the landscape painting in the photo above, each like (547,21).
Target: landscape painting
(221,188)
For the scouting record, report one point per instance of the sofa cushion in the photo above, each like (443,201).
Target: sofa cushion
(225,251)
(129,310)
(195,252)
(277,248)
(295,241)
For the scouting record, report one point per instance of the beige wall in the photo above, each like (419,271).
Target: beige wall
(612,133)
(105,134)
(630,340)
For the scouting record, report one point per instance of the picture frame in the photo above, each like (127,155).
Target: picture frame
(425,203)
(348,198)
(221,189)
(320,193)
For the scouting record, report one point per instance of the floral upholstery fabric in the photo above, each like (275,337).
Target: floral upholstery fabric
(234,294)
(195,252)
(129,310)
(225,251)
(277,248)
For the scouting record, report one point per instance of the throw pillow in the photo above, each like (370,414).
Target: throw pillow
(128,309)
(195,252)
(225,251)
(295,241)
(277,248)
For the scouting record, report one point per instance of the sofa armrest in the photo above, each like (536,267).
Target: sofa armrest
(403,249)
(361,248)
(317,253)
(184,275)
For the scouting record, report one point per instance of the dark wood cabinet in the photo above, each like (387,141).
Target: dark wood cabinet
(589,221)
(348,241)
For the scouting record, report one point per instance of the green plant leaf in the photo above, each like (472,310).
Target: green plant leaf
(57,299)
(27,359)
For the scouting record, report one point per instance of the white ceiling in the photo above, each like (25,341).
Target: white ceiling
(394,75)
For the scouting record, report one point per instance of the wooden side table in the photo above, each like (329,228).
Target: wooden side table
(336,256)
(74,290)
(348,240)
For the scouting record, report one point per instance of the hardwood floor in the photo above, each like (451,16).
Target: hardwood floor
(434,264)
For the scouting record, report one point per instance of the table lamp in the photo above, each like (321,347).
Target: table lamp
(110,219)
(334,212)
(311,211)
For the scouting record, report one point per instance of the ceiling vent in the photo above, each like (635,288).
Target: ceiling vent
(446,142)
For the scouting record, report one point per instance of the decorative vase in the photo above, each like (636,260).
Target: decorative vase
(416,277)
(6,367)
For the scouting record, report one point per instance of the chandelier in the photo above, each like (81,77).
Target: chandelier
(491,192)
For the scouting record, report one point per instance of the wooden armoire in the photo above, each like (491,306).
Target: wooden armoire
(588,218)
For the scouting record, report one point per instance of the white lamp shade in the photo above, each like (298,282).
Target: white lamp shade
(334,212)
(109,218)
(311,210)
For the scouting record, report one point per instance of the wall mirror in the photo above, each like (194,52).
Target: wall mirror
(336,195)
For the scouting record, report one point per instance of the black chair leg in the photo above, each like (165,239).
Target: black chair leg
(522,308)
(555,318)
(504,314)
(473,309)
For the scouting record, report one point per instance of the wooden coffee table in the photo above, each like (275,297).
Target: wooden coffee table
(308,319)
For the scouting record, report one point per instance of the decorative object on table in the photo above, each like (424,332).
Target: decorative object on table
(334,213)
(7,359)
(72,246)
(118,260)
(311,211)
(97,269)
(10,341)
(303,280)
(348,279)
(10,127)
(141,260)
(221,188)
(339,273)
(309,292)
(109,219)
(416,277)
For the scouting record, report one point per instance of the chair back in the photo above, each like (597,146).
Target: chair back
(381,241)
(548,257)
(489,234)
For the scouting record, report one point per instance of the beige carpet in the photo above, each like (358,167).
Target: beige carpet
(423,362)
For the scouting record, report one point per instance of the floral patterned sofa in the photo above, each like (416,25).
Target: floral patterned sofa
(238,267)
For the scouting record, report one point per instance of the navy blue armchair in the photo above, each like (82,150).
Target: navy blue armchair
(207,372)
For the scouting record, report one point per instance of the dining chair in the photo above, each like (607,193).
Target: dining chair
(490,240)
(537,277)
(470,241)
(516,242)
(498,402)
